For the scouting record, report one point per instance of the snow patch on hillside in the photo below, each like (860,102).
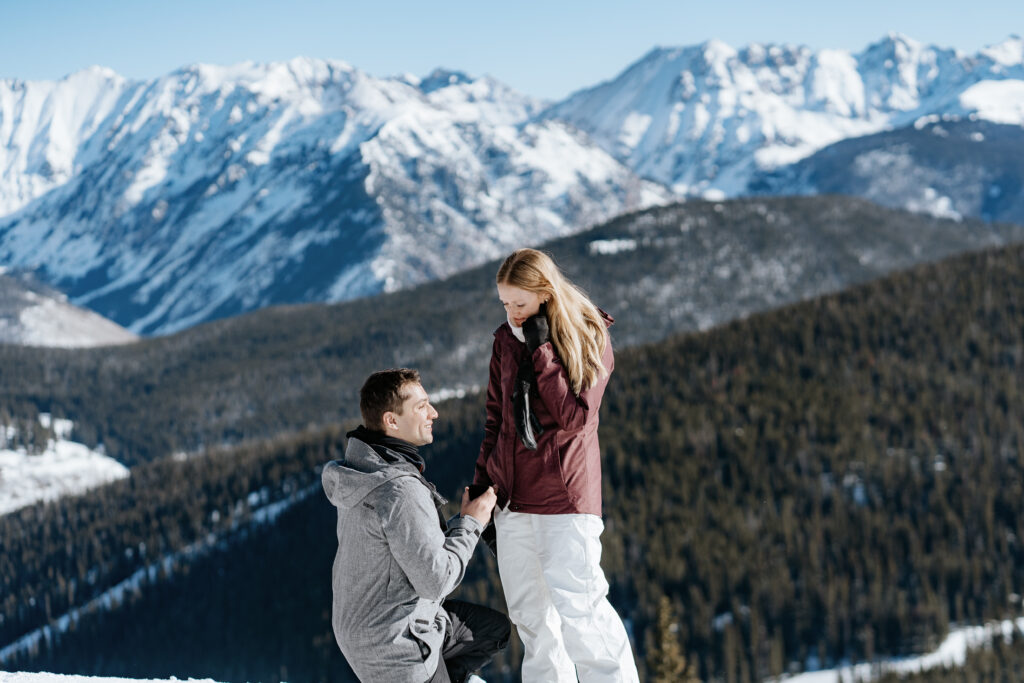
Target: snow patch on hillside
(62,468)
(935,204)
(616,246)
(32,314)
(51,322)
(26,677)
(996,101)
(952,652)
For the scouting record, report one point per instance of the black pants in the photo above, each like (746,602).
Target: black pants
(477,634)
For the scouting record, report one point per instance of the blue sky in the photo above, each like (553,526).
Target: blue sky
(546,49)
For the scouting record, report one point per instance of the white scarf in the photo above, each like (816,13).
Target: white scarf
(517,331)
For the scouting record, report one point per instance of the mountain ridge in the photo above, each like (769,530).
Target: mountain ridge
(215,190)
(709,115)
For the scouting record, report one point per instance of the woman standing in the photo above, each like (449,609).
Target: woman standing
(549,366)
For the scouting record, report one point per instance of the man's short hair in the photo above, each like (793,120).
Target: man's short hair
(382,392)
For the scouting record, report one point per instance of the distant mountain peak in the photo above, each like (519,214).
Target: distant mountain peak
(706,117)
(896,38)
(715,50)
(281,79)
(442,78)
(1009,52)
(95,71)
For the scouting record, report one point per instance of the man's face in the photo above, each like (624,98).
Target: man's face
(414,424)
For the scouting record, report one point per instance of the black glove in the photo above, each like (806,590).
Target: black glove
(527,425)
(536,329)
(490,538)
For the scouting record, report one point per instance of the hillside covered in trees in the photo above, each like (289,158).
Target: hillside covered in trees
(838,479)
(659,272)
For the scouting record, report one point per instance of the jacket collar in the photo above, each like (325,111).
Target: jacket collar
(504,331)
(362,469)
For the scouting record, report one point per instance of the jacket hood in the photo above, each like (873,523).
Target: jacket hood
(352,478)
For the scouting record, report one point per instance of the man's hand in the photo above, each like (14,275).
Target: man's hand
(479,508)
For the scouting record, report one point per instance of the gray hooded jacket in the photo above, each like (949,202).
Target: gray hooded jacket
(394,566)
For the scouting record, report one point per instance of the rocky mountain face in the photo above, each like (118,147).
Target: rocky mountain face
(952,168)
(216,190)
(705,118)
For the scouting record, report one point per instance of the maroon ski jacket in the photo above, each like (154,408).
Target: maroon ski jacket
(563,475)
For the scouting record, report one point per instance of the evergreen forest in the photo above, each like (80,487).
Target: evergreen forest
(839,479)
(676,268)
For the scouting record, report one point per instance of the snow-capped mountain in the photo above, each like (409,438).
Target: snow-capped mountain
(33,314)
(703,119)
(215,190)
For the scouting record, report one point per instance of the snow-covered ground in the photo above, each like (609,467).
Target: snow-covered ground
(21,677)
(951,652)
(63,468)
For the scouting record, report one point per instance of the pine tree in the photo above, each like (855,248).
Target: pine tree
(666,661)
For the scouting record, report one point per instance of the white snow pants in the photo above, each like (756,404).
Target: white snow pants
(550,568)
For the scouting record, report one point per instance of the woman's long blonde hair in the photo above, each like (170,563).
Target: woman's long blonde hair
(578,332)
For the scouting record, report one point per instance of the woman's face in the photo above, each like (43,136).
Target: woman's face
(519,303)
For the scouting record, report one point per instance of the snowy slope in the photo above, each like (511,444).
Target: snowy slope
(703,118)
(62,468)
(26,677)
(216,190)
(34,315)
(951,653)
(45,127)
(948,168)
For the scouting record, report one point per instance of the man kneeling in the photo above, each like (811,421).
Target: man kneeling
(397,557)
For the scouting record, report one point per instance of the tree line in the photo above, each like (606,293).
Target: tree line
(837,480)
(289,368)
(61,555)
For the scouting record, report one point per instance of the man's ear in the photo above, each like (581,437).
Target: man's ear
(389,420)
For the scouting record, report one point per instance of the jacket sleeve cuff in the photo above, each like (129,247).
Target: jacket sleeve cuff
(544,354)
(467,522)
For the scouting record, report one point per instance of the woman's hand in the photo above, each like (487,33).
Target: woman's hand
(536,329)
